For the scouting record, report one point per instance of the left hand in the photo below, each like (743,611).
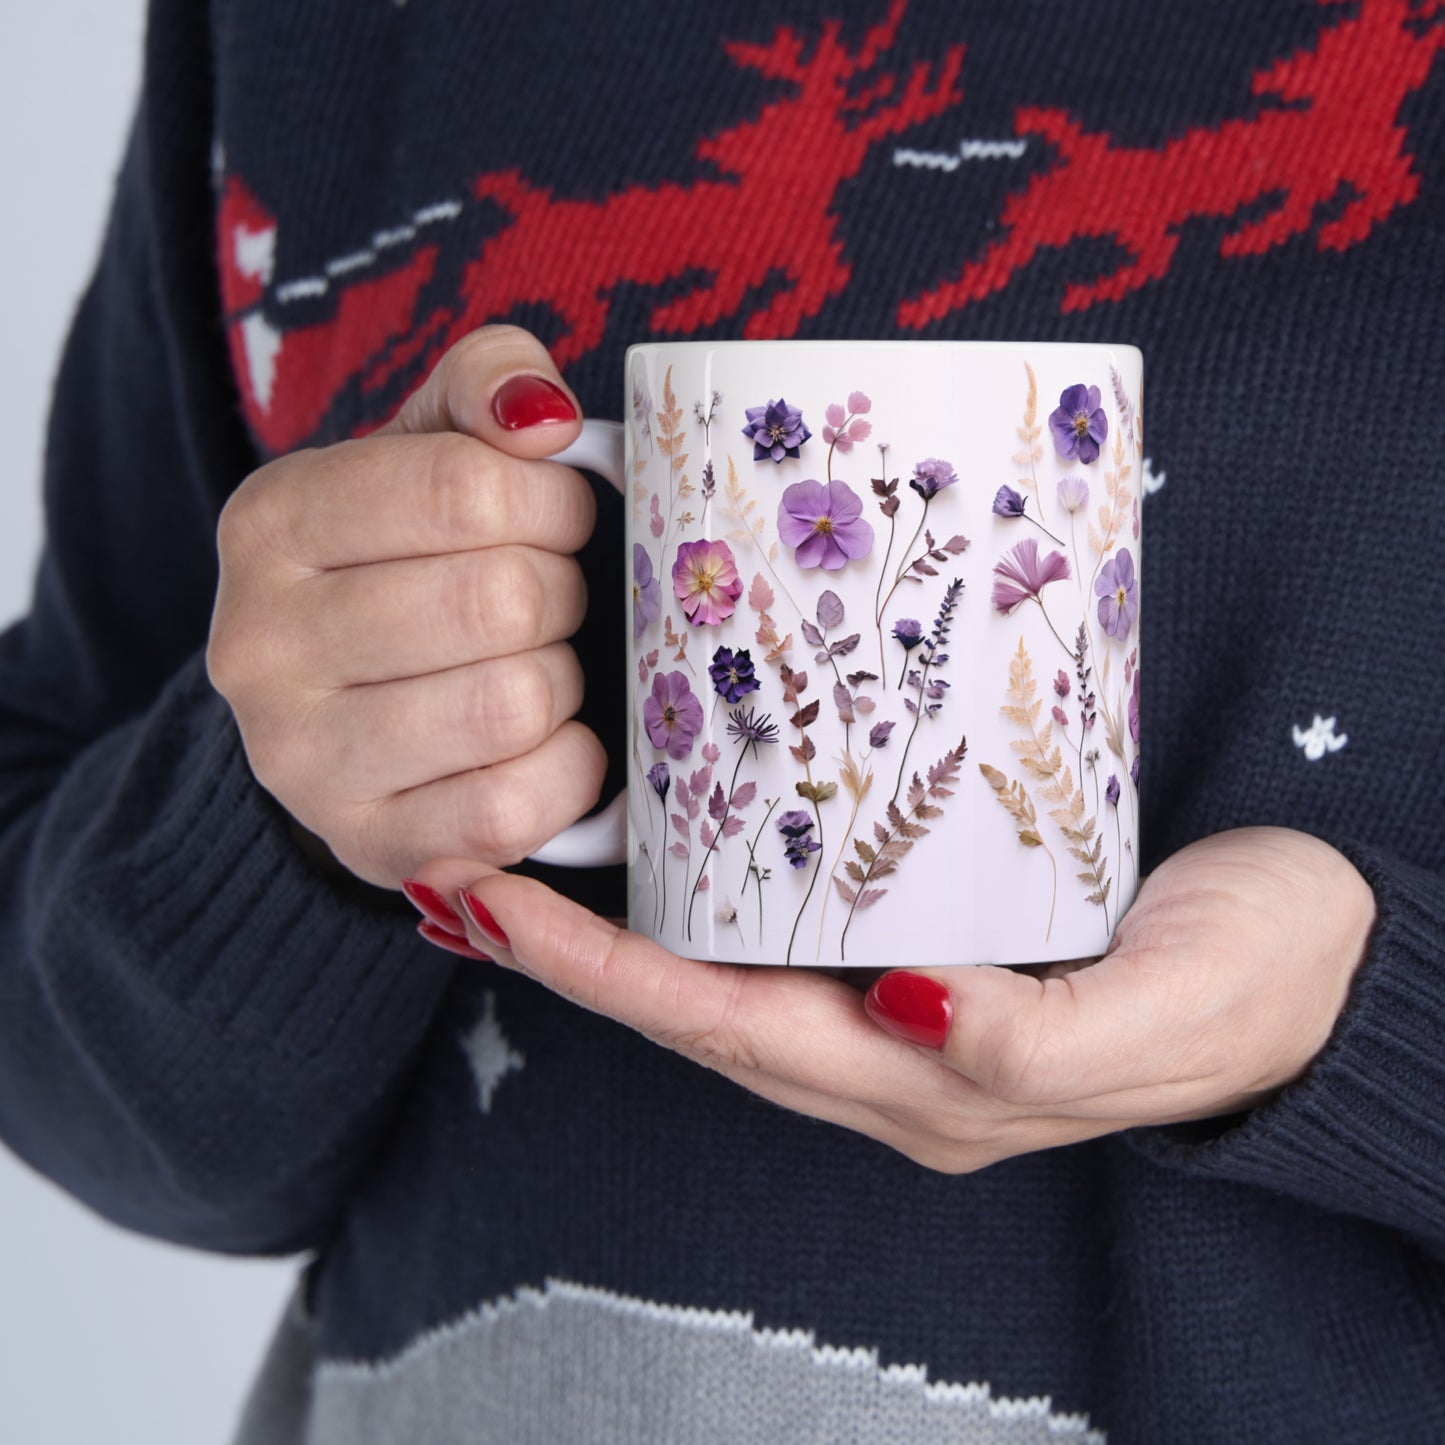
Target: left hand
(1222,983)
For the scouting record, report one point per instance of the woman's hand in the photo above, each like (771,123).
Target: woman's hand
(390,628)
(1223,982)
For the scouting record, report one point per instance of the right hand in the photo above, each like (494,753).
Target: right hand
(391,622)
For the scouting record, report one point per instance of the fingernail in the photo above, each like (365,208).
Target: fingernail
(529,401)
(912,1008)
(428,902)
(450,942)
(486,925)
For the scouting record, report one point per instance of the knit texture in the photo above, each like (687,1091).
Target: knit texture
(205,1037)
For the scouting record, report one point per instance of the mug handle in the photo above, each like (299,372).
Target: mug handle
(602,838)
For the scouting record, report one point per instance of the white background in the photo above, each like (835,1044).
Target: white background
(103,1336)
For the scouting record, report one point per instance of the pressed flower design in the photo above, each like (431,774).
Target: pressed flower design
(705,580)
(672,715)
(776,430)
(823,523)
(1079,424)
(753,567)
(646,591)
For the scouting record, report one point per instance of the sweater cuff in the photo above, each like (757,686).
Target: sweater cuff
(1362,1132)
(218,909)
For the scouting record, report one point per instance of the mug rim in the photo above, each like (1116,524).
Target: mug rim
(882,344)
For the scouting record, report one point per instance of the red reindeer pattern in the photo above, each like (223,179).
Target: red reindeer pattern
(770,214)
(1337,126)
(762,232)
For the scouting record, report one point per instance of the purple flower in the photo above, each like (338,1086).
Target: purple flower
(909,631)
(748,727)
(931,476)
(1134,715)
(1111,790)
(1073,493)
(1021,575)
(1118,595)
(732,674)
(1062,684)
(705,580)
(824,522)
(795,826)
(776,430)
(646,591)
(660,779)
(1134,771)
(1008,503)
(672,715)
(1079,425)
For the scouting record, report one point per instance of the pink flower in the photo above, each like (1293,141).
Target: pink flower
(705,580)
(1021,575)
(824,522)
(672,715)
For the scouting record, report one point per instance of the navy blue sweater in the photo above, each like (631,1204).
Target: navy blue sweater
(527,1223)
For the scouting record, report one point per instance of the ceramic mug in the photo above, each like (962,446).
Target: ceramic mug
(884,642)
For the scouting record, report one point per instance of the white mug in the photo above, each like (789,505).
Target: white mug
(884,643)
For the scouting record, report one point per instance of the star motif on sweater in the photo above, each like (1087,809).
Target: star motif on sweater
(1319,738)
(489,1053)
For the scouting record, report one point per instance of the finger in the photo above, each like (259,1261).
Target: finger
(499,385)
(405,619)
(498,814)
(401,497)
(801,1030)
(391,737)
(1070,1043)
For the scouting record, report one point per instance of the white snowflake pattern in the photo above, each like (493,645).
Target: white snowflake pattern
(489,1052)
(1319,738)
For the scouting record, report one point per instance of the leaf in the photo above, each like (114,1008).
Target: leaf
(743,794)
(813,637)
(705,833)
(835,415)
(852,870)
(680,822)
(849,895)
(711,752)
(845,645)
(678,850)
(807,716)
(843,701)
(878,734)
(864,850)
(699,782)
(717,804)
(818,792)
(858,403)
(732,826)
(890,507)
(830,610)
(860,430)
(871,896)
(704,883)
(956,544)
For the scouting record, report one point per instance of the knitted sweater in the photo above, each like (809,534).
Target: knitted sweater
(525,1222)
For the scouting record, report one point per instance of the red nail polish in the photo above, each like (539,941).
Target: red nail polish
(912,1008)
(529,401)
(427,901)
(450,941)
(488,926)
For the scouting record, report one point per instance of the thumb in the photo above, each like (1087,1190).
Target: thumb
(500,386)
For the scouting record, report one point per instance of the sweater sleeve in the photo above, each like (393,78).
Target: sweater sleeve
(1362,1132)
(201,1037)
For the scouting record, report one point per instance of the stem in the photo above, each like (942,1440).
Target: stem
(917,718)
(1073,657)
(879,605)
(716,839)
(1054,898)
(1044,529)
(812,883)
(642,848)
(752,867)
(842,848)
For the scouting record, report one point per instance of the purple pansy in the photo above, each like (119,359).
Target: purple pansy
(660,779)
(1008,503)
(646,591)
(931,476)
(732,674)
(672,715)
(795,827)
(705,580)
(1079,425)
(776,430)
(1020,574)
(824,522)
(1118,595)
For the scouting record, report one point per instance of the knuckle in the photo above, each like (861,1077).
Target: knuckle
(516,709)
(1019,1063)
(501,820)
(717,1043)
